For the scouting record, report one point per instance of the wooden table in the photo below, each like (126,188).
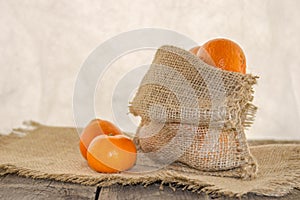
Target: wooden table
(15,187)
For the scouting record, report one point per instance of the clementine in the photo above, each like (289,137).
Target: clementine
(195,50)
(108,127)
(110,154)
(95,128)
(221,149)
(224,54)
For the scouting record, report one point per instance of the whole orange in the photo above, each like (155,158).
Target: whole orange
(110,154)
(95,128)
(224,54)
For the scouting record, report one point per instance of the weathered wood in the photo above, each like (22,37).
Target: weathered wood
(263,142)
(150,192)
(15,187)
(118,192)
(153,192)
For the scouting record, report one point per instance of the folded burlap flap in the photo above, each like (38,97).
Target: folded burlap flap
(181,87)
(53,153)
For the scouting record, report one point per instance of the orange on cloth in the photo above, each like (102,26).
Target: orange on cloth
(110,154)
(95,128)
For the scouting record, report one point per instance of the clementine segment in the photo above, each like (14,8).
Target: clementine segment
(224,54)
(110,154)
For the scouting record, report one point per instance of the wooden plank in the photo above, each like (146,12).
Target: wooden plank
(118,192)
(140,192)
(14,187)
(153,192)
(263,142)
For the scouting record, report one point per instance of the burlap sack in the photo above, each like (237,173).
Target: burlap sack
(195,112)
(191,91)
(207,150)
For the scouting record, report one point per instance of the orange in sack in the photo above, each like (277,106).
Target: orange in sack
(95,128)
(224,54)
(225,142)
(195,50)
(218,151)
(111,154)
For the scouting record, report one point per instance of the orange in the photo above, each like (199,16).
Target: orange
(220,150)
(224,54)
(194,50)
(95,128)
(224,143)
(110,154)
(108,127)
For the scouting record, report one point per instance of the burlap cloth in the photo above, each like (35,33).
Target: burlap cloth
(53,153)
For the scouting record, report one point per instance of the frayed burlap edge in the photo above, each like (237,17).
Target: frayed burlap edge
(247,114)
(249,80)
(171,178)
(291,177)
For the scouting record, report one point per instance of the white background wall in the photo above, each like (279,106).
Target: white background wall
(43,44)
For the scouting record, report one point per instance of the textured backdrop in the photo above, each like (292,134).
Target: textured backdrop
(43,44)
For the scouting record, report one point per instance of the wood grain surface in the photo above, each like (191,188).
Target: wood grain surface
(15,187)
(118,192)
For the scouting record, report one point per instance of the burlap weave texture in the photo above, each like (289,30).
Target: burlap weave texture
(201,111)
